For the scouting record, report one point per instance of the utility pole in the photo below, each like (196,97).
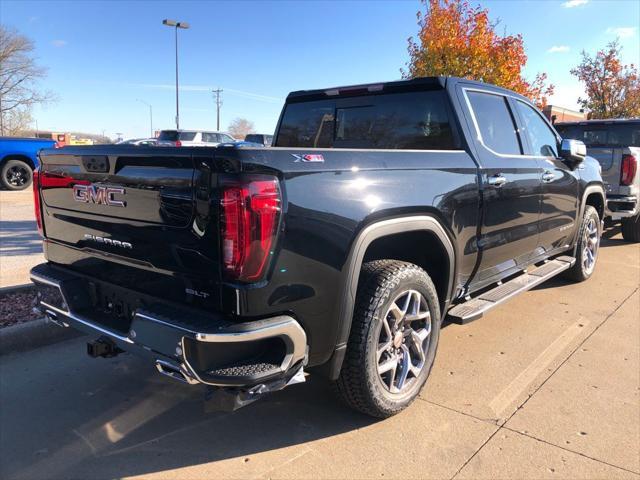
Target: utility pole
(218,105)
(150,116)
(176,25)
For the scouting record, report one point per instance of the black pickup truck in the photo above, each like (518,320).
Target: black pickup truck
(380,211)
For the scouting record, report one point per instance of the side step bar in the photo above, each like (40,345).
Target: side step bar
(474,308)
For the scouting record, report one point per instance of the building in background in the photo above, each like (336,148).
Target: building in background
(561,114)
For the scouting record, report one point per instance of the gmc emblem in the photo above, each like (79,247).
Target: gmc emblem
(98,194)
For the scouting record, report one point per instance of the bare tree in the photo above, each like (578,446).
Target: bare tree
(19,77)
(241,127)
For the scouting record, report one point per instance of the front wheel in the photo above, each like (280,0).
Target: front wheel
(631,229)
(587,247)
(393,340)
(16,175)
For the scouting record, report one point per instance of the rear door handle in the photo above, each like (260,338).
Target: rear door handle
(548,176)
(497,180)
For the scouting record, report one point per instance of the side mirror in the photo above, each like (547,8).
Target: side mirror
(573,151)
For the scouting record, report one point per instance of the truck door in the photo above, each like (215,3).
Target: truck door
(559,207)
(511,187)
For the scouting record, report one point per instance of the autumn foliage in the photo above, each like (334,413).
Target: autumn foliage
(612,89)
(456,39)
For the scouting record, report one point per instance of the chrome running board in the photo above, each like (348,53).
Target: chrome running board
(474,308)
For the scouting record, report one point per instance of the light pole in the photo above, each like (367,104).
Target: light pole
(150,115)
(176,25)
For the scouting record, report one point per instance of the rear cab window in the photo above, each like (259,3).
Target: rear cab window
(398,121)
(603,134)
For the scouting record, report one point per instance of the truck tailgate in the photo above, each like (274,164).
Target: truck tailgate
(130,208)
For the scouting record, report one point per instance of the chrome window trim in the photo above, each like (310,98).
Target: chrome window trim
(477,126)
(545,121)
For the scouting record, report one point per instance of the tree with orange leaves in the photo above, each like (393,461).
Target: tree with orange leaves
(613,89)
(459,40)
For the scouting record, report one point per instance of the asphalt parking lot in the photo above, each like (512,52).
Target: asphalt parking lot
(20,243)
(546,386)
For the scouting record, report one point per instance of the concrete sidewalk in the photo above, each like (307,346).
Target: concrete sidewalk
(20,243)
(546,386)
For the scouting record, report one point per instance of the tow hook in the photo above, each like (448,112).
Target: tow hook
(103,347)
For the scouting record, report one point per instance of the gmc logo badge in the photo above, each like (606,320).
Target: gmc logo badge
(98,194)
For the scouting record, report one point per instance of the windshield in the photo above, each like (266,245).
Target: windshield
(603,134)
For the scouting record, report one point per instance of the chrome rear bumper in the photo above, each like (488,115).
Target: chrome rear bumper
(221,353)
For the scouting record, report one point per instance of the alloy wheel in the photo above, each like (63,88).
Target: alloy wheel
(403,341)
(17,176)
(591,242)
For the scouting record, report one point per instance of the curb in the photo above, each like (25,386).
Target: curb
(33,334)
(16,288)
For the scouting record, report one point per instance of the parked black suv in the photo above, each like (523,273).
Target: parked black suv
(379,210)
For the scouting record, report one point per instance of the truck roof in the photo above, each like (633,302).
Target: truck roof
(413,84)
(606,121)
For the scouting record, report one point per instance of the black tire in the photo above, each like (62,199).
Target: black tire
(631,229)
(360,385)
(580,270)
(16,175)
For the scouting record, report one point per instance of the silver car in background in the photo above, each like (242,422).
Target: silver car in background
(193,138)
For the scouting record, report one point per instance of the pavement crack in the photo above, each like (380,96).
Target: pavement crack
(568,449)
(476,452)
(491,421)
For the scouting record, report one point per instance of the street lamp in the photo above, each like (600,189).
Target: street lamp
(177,25)
(150,115)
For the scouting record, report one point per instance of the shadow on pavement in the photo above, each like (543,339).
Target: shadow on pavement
(111,419)
(19,238)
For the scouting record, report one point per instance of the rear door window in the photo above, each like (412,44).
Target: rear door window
(168,135)
(400,121)
(187,136)
(210,137)
(495,123)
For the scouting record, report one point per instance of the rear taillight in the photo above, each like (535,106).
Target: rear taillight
(36,199)
(178,143)
(250,215)
(628,170)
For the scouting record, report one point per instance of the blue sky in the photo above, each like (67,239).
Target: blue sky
(103,56)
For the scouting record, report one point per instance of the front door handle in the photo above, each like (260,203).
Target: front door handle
(497,180)
(548,176)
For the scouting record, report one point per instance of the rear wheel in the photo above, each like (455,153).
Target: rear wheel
(631,229)
(16,175)
(393,338)
(587,247)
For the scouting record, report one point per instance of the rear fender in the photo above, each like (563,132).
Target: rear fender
(353,266)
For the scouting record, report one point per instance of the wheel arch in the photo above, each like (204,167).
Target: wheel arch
(368,245)
(594,196)
(18,156)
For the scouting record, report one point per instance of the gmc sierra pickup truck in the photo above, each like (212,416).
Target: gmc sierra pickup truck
(616,145)
(380,211)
